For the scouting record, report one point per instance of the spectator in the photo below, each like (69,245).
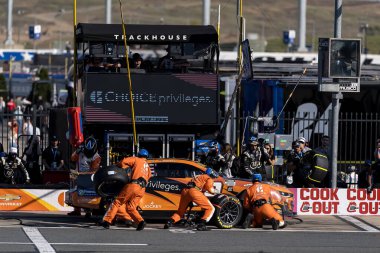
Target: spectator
(303,146)
(27,128)
(351,177)
(52,156)
(16,171)
(12,133)
(251,159)
(32,155)
(295,172)
(96,65)
(18,102)
(18,115)
(213,158)
(137,61)
(11,105)
(269,163)
(363,175)
(374,174)
(377,151)
(166,62)
(325,147)
(229,157)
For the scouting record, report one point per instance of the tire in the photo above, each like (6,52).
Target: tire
(228,211)
(110,180)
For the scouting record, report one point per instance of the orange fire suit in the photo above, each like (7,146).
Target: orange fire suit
(131,193)
(261,193)
(195,193)
(122,213)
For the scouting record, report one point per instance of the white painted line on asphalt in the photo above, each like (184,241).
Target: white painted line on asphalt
(99,244)
(39,241)
(358,223)
(77,243)
(16,243)
(291,230)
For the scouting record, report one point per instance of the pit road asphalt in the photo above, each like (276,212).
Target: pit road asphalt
(57,232)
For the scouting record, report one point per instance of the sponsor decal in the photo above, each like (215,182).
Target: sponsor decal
(153,37)
(102,97)
(163,186)
(33,200)
(327,201)
(83,192)
(152,205)
(9,197)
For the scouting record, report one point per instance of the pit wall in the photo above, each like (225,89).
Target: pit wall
(326,201)
(33,200)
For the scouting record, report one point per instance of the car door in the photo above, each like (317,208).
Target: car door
(163,190)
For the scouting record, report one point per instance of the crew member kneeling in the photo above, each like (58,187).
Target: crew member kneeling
(256,201)
(194,192)
(132,192)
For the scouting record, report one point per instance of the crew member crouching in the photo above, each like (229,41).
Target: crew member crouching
(256,201)
(194,192)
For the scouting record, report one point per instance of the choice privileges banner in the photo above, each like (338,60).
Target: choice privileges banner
(326,201)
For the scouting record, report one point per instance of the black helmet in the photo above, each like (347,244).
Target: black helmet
(90,147)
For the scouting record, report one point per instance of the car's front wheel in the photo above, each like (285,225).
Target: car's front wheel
(228,211)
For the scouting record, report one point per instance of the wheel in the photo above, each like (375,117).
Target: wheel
(110,180)
(228,212)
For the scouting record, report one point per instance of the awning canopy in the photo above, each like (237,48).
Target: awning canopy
(146,34)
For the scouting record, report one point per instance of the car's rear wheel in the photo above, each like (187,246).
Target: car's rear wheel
(228,212)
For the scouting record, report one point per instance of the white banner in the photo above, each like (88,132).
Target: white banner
(326,201)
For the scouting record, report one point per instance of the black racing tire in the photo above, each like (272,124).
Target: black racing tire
(110,180)
(228,212)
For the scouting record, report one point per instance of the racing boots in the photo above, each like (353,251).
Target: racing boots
(283,224)
(202,226)
(124,223)
(104,224)
(141,226)
(248,221)
(169,224)
(275,223)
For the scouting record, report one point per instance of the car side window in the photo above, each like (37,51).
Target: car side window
(174,170)
(177,170)
(180,170)
(159,169)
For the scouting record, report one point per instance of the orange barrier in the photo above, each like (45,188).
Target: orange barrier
(33,200)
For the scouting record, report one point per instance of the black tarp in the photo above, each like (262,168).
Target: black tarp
(146,34)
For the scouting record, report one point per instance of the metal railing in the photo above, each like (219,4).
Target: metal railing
(13,135)
(358,133)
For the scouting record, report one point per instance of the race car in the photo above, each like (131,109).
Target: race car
(163,190)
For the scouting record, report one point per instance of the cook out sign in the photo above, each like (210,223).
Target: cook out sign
(326,201)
